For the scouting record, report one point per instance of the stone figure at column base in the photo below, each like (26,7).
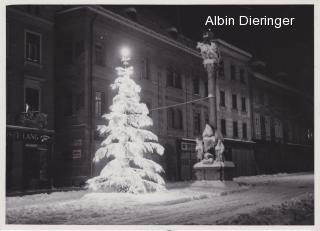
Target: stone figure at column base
(212,164)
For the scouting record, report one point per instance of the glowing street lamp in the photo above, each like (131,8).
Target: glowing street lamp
(125,55)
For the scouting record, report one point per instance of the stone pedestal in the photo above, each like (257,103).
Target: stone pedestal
(218,170)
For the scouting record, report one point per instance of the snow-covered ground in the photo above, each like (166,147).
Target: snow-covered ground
(267,199)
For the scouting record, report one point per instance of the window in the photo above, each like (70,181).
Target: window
(223,127)
(221,68)
(99,103)
(196,122)
(242,77)
(170,77)
(145,68)
(244,130)
(173,78)
(257,126)
(232,72)
(234,101)
(278,128)
(178,123)
(32,99)
(222,99)
(196,85)
(177,79)
(32,47)
(170,118)
(235,129)
(174,118)
(243,104)
(267,120)
(263,127)
(99,54)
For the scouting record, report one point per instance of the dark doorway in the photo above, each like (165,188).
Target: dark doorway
(31,167)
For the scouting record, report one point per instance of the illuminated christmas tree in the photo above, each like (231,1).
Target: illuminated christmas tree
(127,141)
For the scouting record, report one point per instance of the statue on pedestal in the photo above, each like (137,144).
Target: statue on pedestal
(210,148)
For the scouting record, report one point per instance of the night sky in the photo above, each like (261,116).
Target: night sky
(288,49)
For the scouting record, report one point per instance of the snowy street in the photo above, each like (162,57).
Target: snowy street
(267,199)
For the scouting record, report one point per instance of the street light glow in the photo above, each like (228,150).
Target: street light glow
(125,52)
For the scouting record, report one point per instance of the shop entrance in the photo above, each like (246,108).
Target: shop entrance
(188,158)
(29,153)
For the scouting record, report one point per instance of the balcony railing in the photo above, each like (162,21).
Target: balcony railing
(34,119)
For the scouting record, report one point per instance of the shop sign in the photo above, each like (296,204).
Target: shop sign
(188,147)
(28,136)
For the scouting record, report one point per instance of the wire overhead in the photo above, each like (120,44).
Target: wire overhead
(179,104)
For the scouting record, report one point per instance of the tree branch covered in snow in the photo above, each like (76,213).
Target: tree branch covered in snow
(127,142)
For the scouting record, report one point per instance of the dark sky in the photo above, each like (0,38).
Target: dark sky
(288,49)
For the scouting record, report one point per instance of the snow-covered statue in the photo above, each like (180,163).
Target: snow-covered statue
(199,149)
(210,148)
(209,52)
(219,149)
(127,142)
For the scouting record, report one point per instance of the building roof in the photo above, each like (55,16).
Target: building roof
(183,43)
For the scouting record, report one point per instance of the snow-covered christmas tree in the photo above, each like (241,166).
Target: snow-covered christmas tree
(127,141)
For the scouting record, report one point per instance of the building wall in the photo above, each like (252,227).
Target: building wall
(282,121)
(21,72)
(30,68)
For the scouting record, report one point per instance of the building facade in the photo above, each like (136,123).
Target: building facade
(282,125)
(30,97)
(79,50)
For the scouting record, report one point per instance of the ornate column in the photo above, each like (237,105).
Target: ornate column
(211,58)
(211,165)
